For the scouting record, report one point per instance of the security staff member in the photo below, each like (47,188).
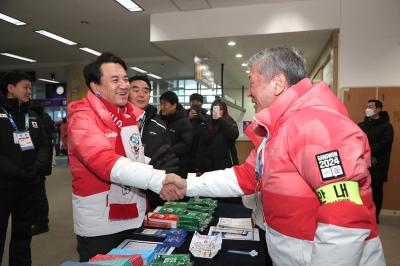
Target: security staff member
(23,158)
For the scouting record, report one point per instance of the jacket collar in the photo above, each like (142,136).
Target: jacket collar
(101,110)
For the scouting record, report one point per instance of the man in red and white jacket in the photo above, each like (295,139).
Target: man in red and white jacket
(309,169)
(107,160)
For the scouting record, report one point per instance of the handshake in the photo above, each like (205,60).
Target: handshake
(174,187)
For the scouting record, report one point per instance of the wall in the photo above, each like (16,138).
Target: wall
(245,20)
(369,43)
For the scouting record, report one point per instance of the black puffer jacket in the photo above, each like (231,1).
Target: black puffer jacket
(198,123)
(180,133)
(155,135)
(21,168)
(380,137)
(217,150)
(154,132)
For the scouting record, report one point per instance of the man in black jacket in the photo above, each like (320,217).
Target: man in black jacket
(380,137)
(41,224)
(154,134)
(23,159)
(179,129)
(198,118)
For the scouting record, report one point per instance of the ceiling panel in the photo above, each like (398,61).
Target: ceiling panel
(185,5)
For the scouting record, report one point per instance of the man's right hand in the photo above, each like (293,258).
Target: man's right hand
(192,114)
(174,187)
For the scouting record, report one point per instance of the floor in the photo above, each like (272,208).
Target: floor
(57,246)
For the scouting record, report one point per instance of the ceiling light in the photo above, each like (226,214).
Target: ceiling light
(154,76)
(247,71)
(90,51)
(231,43)
(139,70)
(244,64)
(238,55)
(55,37)
(19,57)
(130,5)
(49,80)
(11,20)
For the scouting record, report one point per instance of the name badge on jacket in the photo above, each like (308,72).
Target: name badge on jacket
(24,140)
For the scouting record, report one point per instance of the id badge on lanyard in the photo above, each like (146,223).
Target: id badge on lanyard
(260,166)
(21,137)
(24,140)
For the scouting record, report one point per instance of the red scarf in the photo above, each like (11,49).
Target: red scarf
(122,117)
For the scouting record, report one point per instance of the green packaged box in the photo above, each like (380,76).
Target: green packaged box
(172,260)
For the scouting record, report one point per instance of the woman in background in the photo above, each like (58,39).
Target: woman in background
(217,149)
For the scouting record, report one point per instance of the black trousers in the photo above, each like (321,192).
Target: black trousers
(377,194)
(41,204)
(89,247)
(17,202)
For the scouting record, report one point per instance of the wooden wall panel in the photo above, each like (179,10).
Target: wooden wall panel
(355,100)
(390,97)
(243,148)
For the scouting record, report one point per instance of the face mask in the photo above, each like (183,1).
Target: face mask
(369,112)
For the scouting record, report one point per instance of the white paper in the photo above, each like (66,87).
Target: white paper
(241,223)
(203,246)
(235,234)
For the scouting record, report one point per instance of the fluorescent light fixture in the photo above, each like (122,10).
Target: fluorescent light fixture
(49,80)
(18,57)
(90,51)
(154,76)
(130,5)
(244,64)
(139,70)
(11,20)
(238,55)
(55,37)
(231,43)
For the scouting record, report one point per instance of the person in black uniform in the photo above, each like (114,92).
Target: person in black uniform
(41,224)
(154,134)
(380,138)
(179,129)
(23,159)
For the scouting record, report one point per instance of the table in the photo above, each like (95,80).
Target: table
(228,208)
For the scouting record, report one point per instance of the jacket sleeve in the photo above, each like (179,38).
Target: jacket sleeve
(384,142)
(186,136)
(231,182)
(43,149)
(342,226)
(89,144)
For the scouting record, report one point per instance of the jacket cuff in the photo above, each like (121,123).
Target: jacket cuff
(220,183)
(138,175)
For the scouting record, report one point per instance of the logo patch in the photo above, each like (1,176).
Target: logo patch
(330,165)
(3,115)
(34,124)
(134,141)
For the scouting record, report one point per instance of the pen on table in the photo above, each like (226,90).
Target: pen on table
(252,253)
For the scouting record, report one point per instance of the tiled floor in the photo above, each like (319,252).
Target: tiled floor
(59,244)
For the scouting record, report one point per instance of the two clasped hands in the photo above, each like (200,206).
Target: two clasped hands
(174,187)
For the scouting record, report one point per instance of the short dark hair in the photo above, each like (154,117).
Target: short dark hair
(141,77)
(13,78)
(378,104)
(196,96)
(170,96)
(92,72)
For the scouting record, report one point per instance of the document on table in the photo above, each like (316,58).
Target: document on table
(234,234)
(238,223)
